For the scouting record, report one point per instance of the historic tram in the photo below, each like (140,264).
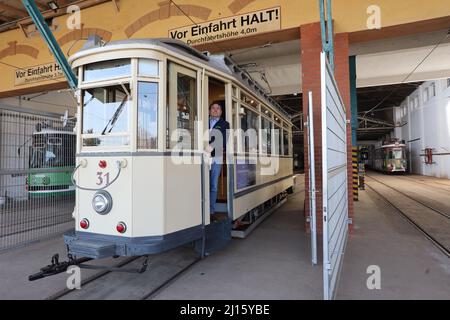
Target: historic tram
(142,176)
(54,151)
(390,158)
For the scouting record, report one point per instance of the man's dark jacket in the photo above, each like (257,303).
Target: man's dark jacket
(222,126)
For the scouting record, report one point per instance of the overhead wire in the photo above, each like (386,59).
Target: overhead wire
(210,38)
(217,45)
(196,24)
(409,74)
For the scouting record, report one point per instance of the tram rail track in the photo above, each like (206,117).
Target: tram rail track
(445,214)
(149,294)
(90,279)
(169,281)
(428,185)
(101,276)
(441,247)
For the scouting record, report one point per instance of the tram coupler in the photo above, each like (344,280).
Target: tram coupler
(57,267)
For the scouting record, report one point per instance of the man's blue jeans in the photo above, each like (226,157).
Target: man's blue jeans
(214,174)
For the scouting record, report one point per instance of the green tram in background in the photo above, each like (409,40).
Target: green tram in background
(51,163)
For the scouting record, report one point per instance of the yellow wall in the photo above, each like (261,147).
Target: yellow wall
(349,16)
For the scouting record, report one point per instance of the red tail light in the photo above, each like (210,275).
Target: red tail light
(102,164)
(121,227)
(84,224)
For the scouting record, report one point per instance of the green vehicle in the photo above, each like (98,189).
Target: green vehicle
(52,161)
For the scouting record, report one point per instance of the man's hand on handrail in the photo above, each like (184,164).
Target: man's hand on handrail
(209,149)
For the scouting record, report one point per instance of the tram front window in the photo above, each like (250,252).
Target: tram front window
(396,154)
(50,155)
(107,70)
(106,116)
(43,158)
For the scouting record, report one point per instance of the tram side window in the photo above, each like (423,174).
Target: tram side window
(147,135)
(234,122)
(267,127)
(182,107)
(266,112)
(249,131)
(249,100)
(277,140)
(278,136)
(285,143)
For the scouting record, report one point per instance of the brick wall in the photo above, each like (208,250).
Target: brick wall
(311,46)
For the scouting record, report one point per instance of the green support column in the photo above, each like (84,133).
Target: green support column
(354,122)
(52,44)
(353,99)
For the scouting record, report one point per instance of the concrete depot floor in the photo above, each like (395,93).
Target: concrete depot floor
(274,262)
(17,264)
(411,266)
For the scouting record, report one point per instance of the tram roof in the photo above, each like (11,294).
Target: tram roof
(394,145)
(222,62)
(52,131)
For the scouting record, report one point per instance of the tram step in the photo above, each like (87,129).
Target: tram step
(218,235)
(91,249)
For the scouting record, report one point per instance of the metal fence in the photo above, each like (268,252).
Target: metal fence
(37,156)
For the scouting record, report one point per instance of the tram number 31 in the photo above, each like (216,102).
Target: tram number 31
(102,177)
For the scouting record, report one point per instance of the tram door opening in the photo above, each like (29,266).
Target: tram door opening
(216,94)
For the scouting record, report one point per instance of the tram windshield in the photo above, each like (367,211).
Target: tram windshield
(49,151)
(396,154)
(106,115)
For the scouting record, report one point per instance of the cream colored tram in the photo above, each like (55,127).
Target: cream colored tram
(142,176)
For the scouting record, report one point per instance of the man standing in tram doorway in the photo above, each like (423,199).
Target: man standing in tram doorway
(218,129)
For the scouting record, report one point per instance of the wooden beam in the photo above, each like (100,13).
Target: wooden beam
(40,88)
(25,21)
(400,30)
(18,12)
(116,5)
(23,30)
(41,6)
(5,19)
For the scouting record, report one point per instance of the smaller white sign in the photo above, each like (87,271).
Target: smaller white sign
(39,73)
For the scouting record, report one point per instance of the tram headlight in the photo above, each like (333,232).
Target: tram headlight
(102,202)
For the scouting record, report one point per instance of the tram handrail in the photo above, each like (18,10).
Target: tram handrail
(119,168)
